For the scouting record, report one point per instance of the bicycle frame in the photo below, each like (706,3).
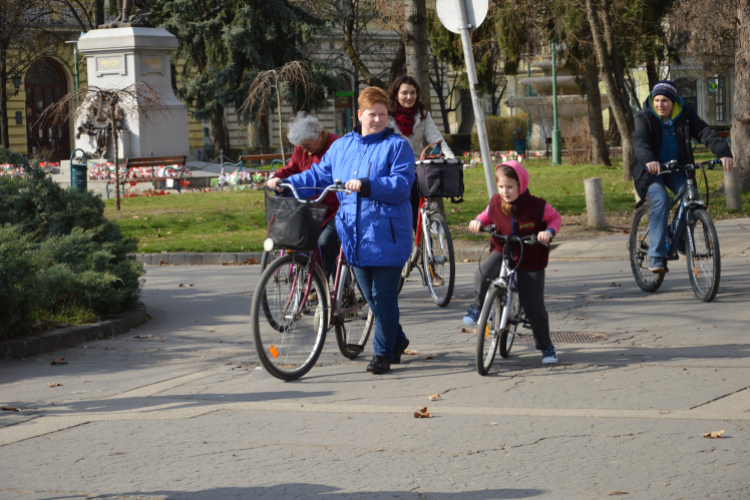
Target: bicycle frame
(422,219)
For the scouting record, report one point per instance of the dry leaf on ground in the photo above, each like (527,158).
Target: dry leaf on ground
(626,231)
(614,283)
(10,408)
(713,435)
(143,336)
(428,357)
(86,381)
(422,413)
(116,453)
(433,397)
(252,261)
(410,352)
(60,361)
(185,285)
(468,330)
(619,493)
(54,384)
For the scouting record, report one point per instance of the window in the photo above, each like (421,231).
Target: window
(720,100)
(688,90)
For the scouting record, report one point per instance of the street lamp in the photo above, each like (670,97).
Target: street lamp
(16,79)
(556,136)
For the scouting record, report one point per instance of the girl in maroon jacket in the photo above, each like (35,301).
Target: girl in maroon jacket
(515,211)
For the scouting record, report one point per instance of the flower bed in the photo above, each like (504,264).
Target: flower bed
(106,171)
(9,170)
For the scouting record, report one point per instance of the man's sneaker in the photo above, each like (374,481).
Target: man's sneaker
(379,364)
(549,356)
(472,316)
(656,265)
(399,350)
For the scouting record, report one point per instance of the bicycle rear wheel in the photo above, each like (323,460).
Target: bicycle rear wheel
(290,342)
(440,271)
(638,247)
(489,329)
(354,320)
(703,256)
(508,334)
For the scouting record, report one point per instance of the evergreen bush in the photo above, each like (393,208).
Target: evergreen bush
(59,253)
(500,131)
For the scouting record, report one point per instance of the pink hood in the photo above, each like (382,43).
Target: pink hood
(523,175)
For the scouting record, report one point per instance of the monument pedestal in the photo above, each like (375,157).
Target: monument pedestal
(119,57)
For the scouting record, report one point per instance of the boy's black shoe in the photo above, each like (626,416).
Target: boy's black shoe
(379,364)
(399,350)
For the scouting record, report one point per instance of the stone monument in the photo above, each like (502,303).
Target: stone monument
(128,52)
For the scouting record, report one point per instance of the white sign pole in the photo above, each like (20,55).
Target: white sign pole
(464,28)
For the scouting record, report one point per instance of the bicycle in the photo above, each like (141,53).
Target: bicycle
(691,233)
(292,309)
(502,312)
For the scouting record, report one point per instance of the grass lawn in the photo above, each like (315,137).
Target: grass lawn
(234,221)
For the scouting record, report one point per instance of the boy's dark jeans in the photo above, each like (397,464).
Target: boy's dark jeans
(530,293)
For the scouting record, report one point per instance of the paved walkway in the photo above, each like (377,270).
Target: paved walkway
(186,414)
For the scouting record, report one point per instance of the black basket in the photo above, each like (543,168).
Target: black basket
(294,224)
(440,178)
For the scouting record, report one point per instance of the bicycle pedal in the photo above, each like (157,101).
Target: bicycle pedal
(355,348)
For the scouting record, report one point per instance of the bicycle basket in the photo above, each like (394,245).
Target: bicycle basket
(440,178)
(294,224)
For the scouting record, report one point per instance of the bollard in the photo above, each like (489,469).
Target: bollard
(78,175)
(732,184)
(595,202)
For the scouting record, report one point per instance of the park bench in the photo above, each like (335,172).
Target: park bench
(168,170)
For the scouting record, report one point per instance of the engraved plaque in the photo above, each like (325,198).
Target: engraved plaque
(110,65)
(152,64)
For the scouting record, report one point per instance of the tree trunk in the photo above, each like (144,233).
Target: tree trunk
(370,79)
(113,123)
(4,105)
(281,123)
(219,135)
(415,41)
(398,65)
(264,134)
(741,121)
(599,152)
(653,75)
(621,114)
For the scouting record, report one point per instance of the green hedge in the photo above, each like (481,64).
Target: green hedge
(58,253)
(500,131)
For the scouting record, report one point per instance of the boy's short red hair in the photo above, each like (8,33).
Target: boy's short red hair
(371,96)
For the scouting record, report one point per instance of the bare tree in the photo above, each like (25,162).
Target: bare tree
(276,84)
(139,100)
(438,80)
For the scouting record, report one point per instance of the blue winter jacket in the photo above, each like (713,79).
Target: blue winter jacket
(374,225)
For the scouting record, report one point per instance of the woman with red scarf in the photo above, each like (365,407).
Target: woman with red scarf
(408,117)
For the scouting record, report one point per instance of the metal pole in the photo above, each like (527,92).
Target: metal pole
(471,73)
(556,137)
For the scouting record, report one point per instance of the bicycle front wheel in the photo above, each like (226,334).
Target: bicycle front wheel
(508,334)
(638,246)
(288,319)
(440,270)
(354,320)
(703,256)
(489,329)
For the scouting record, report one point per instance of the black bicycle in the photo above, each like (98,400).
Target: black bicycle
(691,233)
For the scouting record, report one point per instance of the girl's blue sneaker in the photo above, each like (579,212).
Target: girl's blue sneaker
(549,356)
(472,316)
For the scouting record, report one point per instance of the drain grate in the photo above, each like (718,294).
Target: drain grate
(569,337)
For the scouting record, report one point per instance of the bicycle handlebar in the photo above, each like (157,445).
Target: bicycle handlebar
(529,240)
(673,166)
(336,187)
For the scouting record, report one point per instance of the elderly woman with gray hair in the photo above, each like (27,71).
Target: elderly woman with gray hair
(311,142)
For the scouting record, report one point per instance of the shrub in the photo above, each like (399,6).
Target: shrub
(459,143)
(59,253)
(500,131)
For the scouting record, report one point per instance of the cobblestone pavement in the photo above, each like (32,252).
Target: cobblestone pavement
(185,414)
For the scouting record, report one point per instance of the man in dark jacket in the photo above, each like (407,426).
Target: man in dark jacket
(663,130)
